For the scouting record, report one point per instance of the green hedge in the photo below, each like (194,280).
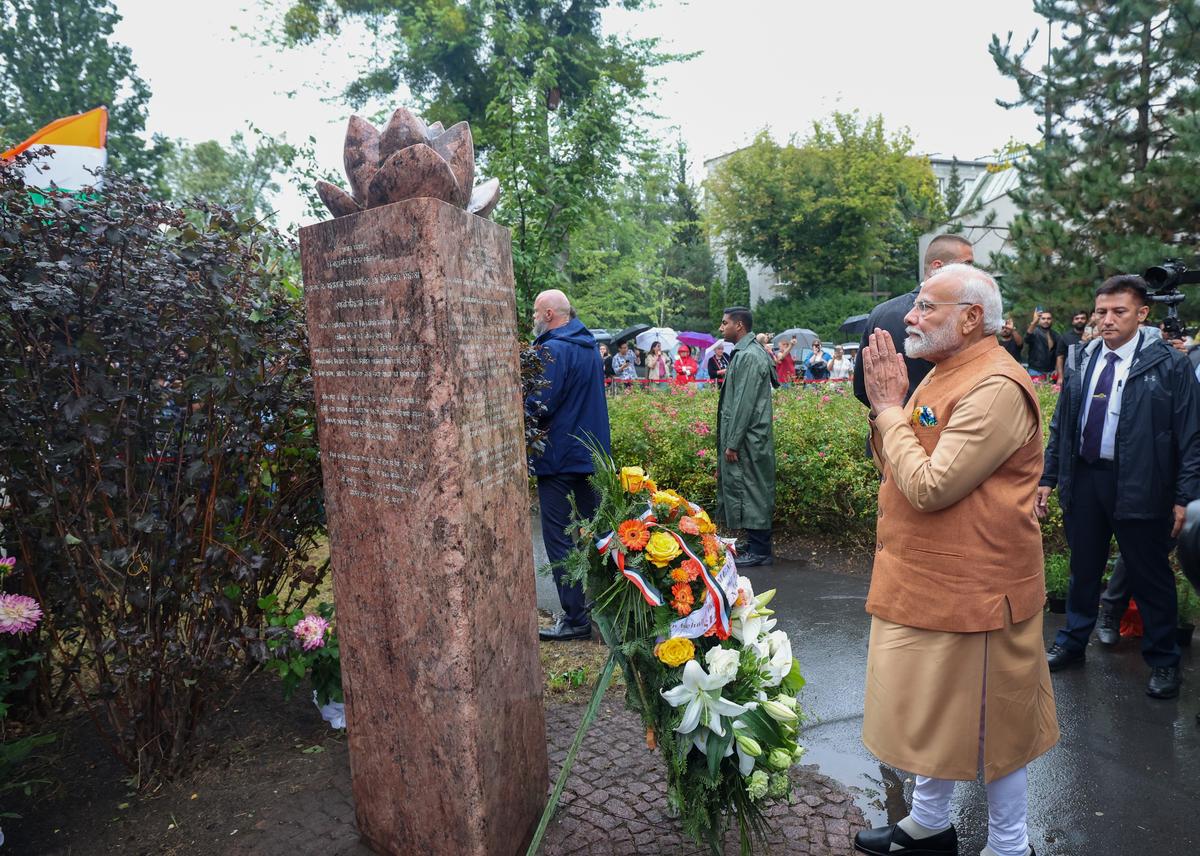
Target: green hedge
(824,482)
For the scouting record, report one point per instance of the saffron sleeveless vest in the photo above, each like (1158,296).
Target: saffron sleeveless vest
(962,568)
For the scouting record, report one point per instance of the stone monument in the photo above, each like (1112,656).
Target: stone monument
(412,323)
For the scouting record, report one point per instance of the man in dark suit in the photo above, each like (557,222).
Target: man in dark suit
(889,315)
(1124,453)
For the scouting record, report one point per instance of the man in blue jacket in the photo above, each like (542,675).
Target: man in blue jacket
(574,407)
(1124,453)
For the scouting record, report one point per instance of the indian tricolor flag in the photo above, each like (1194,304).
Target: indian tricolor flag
(78,143)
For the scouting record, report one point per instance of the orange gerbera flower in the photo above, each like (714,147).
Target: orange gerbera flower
(691,568)
(648,484)
(679,575)
(683,593)
(683,598)
(689,526)
(633,534)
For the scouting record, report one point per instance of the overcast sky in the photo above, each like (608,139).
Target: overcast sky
(780,64)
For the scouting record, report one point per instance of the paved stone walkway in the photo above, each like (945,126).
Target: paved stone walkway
(611,804)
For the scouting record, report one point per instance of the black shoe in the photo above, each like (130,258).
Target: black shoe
(1060,658)
(752,560)
(1108,629)
(894,841)
(564,631)
(1164,682)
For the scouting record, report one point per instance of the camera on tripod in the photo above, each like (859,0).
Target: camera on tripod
(1164,281)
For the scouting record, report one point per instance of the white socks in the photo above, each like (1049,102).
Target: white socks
(1008,834)
(916,831)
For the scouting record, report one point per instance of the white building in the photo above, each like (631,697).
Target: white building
(987,209)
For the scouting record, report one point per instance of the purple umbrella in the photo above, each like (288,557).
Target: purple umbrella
(696,341)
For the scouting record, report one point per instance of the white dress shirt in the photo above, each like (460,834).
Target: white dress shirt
(1108,439)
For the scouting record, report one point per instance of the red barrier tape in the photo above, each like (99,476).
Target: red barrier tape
(610,381)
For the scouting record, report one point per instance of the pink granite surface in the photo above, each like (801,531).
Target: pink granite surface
(419,416)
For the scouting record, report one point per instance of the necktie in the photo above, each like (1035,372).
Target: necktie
(1093,429)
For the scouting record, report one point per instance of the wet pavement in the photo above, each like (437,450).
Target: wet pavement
(1124,778)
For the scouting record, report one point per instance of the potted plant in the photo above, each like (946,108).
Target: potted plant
(1058,577)
(1189,610)
(306,646)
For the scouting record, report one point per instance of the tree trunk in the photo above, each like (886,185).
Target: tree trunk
(1142,135)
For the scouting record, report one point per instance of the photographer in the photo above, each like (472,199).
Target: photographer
(1124,453)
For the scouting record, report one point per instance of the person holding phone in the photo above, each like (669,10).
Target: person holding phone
(1046,352)
(816,367)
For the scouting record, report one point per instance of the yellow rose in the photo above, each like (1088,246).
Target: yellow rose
(632,478)
(662,548)
(668,497)
(675,652)
(707,527)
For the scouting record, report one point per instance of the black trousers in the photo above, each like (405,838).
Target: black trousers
(1145,546)
(1116,594)
(556,517)
(758,541)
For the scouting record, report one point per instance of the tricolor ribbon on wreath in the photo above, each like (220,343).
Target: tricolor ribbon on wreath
(652,595)
(722,587)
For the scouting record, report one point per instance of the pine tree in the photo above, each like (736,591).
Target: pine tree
(737,283)
(716,302)
(954,188)
(1114,185)
(688,261)
(57,59)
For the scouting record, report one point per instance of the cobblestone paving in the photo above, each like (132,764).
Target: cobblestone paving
(611,804)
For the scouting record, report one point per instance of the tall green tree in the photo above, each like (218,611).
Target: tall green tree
(615,269)
(57,58)
(841,209)
(235,174)
(954,188)
(1113,185)
(689,260)
(737,283)
(455,55)
(554,102)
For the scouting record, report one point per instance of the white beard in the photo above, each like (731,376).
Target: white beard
(920,345)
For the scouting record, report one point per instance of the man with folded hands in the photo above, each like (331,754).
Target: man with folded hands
(957,683)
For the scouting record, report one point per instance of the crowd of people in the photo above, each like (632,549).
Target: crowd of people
(957,588)
(627,367)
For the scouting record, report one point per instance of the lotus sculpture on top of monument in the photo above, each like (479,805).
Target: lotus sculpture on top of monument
(409,159)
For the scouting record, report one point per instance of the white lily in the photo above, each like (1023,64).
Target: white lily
(746,761)
(701,692)
(752,620)
(780,661)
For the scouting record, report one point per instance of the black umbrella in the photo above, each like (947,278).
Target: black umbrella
(628,333)
(856,324)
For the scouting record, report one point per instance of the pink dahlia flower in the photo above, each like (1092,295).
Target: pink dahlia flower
(311,631)
(18,613)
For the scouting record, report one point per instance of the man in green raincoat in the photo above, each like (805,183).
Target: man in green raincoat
(746,440)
